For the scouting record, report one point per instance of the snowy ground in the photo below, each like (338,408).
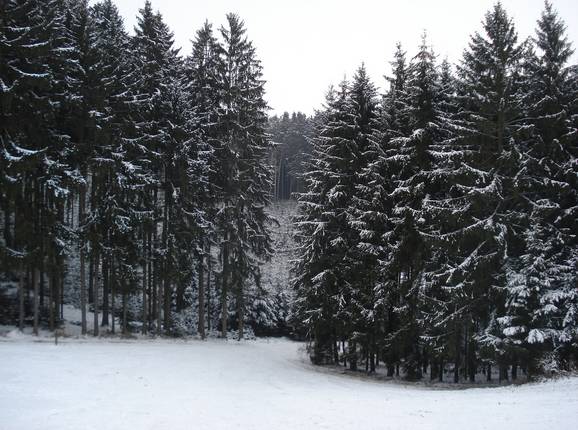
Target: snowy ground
(264,384)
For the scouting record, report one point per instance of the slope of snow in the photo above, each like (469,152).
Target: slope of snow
(264,384)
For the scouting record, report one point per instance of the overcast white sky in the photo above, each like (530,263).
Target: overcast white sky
(306,45)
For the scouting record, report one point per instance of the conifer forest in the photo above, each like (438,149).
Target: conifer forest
(423,228)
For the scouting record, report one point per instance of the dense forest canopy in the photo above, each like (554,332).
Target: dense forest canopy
(438,231)
(436,223)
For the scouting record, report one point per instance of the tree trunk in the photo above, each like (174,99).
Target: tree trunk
(153,295)
(167,304)
(514,371)
(112,295)
(209,313)
(35,302)
(105,291)
(21,299)
(144,290)
(82,268)
(372,362)
(240,308)
(61,299)
(158,287)
(457,355)
(433,370)
(95,282)
(201,323)
(352,352)
(51,307)
(390,370)
(41,281)
(124,313)
(503,372)
(167,271)
(224,280)
(334,342)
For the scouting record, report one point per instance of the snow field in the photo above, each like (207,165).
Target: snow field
(263,384)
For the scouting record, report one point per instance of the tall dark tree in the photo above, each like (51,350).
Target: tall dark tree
(542,300)
(320,270)
(245,178)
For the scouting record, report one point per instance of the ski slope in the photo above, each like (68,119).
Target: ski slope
(263,384)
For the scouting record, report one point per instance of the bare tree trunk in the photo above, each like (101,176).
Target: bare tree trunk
(21,299)
(144,289)
(82,270)
(105,291)
(240,309)
(201,324)
(153,295)
(167,303)
(124,313)
(224,280)
(352,352)
(61,299)
(112,295)
(457,353)
(372,362)
(35,300)
(209,308)
(503,376)
(95,274)
(41,280)
(165,265)
(51,306)
(158,287)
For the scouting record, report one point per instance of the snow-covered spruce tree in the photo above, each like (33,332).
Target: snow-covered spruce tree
(35,149)
(394,104)
(320,273)
(334,229)
(543,299)
(189,161)
(440,208)
(95,119)
(24,45)
(241,221)
(203,101)
(155,58)
(383,166)
(416,181)
(111,163)
(363,239)
(490,217)
(79,121)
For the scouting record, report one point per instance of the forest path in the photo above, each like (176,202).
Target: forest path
(263,384)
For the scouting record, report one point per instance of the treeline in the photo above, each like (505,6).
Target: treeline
(143,170)
(290,135)
(439,228)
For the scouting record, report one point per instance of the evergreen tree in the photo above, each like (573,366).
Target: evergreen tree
(543,298)
(203,95)
(362,255)
(36,176)
(321,277)
(241,220)
(489,91)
